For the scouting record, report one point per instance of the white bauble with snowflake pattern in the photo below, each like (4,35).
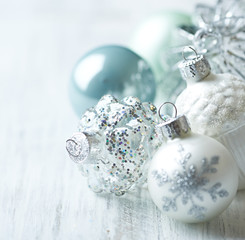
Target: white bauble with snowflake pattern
(192,178)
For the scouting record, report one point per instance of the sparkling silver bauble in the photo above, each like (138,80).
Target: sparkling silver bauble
(115,141)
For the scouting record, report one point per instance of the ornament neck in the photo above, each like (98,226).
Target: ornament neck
(175,128)
(194,68)
(78,147)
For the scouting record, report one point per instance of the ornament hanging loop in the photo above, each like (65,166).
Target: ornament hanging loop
(190,47)
(159,110)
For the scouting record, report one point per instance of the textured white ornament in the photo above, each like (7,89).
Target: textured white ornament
(215,106)
(193,178)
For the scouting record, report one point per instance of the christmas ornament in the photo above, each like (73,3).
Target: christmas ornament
(110,70)
(193,177)
(218,32)
(215,106)
(221,36)
(207,15)
(151,40)
(114,143)
(223,44)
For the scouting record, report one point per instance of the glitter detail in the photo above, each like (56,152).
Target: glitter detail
(122,141)
(78,147)
(190,184)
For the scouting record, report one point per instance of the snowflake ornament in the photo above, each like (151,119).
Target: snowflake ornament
(190,184)
(193,177)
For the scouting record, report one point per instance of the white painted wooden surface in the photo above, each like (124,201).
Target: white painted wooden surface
(42,194)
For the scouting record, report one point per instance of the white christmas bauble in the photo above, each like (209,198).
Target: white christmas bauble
(192,178)
(215,106)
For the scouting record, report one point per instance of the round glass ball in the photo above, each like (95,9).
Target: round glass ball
(154,40)
(110,69)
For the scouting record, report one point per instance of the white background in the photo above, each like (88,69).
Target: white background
(42,195)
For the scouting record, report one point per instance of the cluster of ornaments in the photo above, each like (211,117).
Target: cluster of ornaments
(191,176)
(123,143)
(147,68)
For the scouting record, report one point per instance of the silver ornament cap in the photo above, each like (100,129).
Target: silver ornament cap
(171,128)
(195,68)
(175,127)
(78,147)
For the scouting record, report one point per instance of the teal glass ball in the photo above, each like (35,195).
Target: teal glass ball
(110,69)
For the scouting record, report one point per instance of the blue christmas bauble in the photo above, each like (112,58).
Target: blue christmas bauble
(111,69)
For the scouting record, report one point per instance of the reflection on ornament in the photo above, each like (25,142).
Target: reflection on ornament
(215,106)
(110,70)
(192,178)
(152,39)
(114,143)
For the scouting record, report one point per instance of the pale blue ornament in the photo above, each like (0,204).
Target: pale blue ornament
(110,69)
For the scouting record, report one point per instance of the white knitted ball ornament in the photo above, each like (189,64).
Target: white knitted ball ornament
(214,105)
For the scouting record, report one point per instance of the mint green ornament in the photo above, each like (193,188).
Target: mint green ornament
(152,39)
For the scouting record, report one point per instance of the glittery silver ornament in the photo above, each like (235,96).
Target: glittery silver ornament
(192,178)
(206,15)
(115,141)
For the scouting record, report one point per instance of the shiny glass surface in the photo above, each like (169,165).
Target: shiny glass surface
(113,70)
